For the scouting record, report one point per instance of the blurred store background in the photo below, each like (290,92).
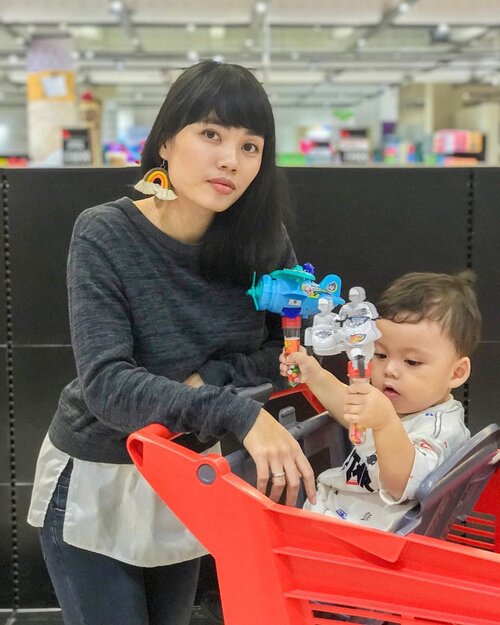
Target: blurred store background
(351,81)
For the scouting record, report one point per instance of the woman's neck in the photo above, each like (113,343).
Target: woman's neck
(186,225)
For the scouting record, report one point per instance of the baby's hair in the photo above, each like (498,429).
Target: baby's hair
(449,299)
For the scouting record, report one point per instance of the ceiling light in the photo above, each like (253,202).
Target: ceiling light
(193,56)
(116,6)
(191,28)
(361,43)
(89,54)
(217,32)
(249,42)
(218,58)
(295,56)
(342,32)
(260,7)
(403,7)
(85,32)
(441,33)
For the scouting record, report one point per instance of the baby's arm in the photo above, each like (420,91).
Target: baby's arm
(325,386)
(370,408)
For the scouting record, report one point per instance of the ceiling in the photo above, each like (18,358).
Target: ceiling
(308,53)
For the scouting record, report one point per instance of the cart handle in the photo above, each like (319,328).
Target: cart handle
(207,466)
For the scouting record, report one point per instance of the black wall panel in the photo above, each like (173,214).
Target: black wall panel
(484,396)
(370,226)
(41,373)
(484,251)
(6,569)
(43,205)
(6,516)
(367,225)
(40,207)
(4,239)
(4,421)
(486,248)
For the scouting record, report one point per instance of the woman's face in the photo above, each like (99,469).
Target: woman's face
(210,165)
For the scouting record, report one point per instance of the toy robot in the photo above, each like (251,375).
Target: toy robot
(352,330)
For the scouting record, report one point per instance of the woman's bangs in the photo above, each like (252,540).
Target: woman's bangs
(235,105)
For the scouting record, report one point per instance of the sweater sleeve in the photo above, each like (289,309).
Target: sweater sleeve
(249,369)
(262,365)
(119,392)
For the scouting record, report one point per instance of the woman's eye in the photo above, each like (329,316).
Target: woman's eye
(413,363)
(380,355)
(250,147)
(210,134)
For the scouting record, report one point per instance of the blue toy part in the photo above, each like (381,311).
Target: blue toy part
(293,292)
(329,288)
(308,267)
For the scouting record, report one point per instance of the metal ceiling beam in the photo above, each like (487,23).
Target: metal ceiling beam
(387,19)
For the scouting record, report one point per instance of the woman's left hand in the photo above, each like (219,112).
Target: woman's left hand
(194,380)
(279,458)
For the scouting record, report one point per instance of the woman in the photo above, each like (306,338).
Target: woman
(163,332)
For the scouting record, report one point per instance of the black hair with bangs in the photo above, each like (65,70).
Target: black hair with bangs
(248,236)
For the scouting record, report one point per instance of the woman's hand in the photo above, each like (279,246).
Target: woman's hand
(275,451)
(194,380)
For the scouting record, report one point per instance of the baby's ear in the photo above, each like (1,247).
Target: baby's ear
(461,372)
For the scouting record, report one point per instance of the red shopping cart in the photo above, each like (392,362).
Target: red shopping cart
(278,565)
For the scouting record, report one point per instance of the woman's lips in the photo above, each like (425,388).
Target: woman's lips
(223,186)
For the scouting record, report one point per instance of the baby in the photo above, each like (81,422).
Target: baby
(430,324)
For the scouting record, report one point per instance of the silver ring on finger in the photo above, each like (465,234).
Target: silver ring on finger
(278,474)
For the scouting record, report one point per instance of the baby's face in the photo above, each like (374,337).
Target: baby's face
(414,365)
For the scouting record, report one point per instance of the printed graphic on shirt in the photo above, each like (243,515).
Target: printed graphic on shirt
(356,471)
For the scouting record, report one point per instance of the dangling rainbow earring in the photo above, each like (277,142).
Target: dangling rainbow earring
(155,182)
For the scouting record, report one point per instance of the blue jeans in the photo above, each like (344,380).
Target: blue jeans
(93,589)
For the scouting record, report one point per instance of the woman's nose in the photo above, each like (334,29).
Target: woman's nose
(228,158)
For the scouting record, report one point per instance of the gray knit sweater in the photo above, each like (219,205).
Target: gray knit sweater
(142,320)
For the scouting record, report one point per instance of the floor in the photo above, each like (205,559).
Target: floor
(52,617)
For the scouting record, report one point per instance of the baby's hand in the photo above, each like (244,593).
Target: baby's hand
(367,406)
(308,365)
(284,365)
